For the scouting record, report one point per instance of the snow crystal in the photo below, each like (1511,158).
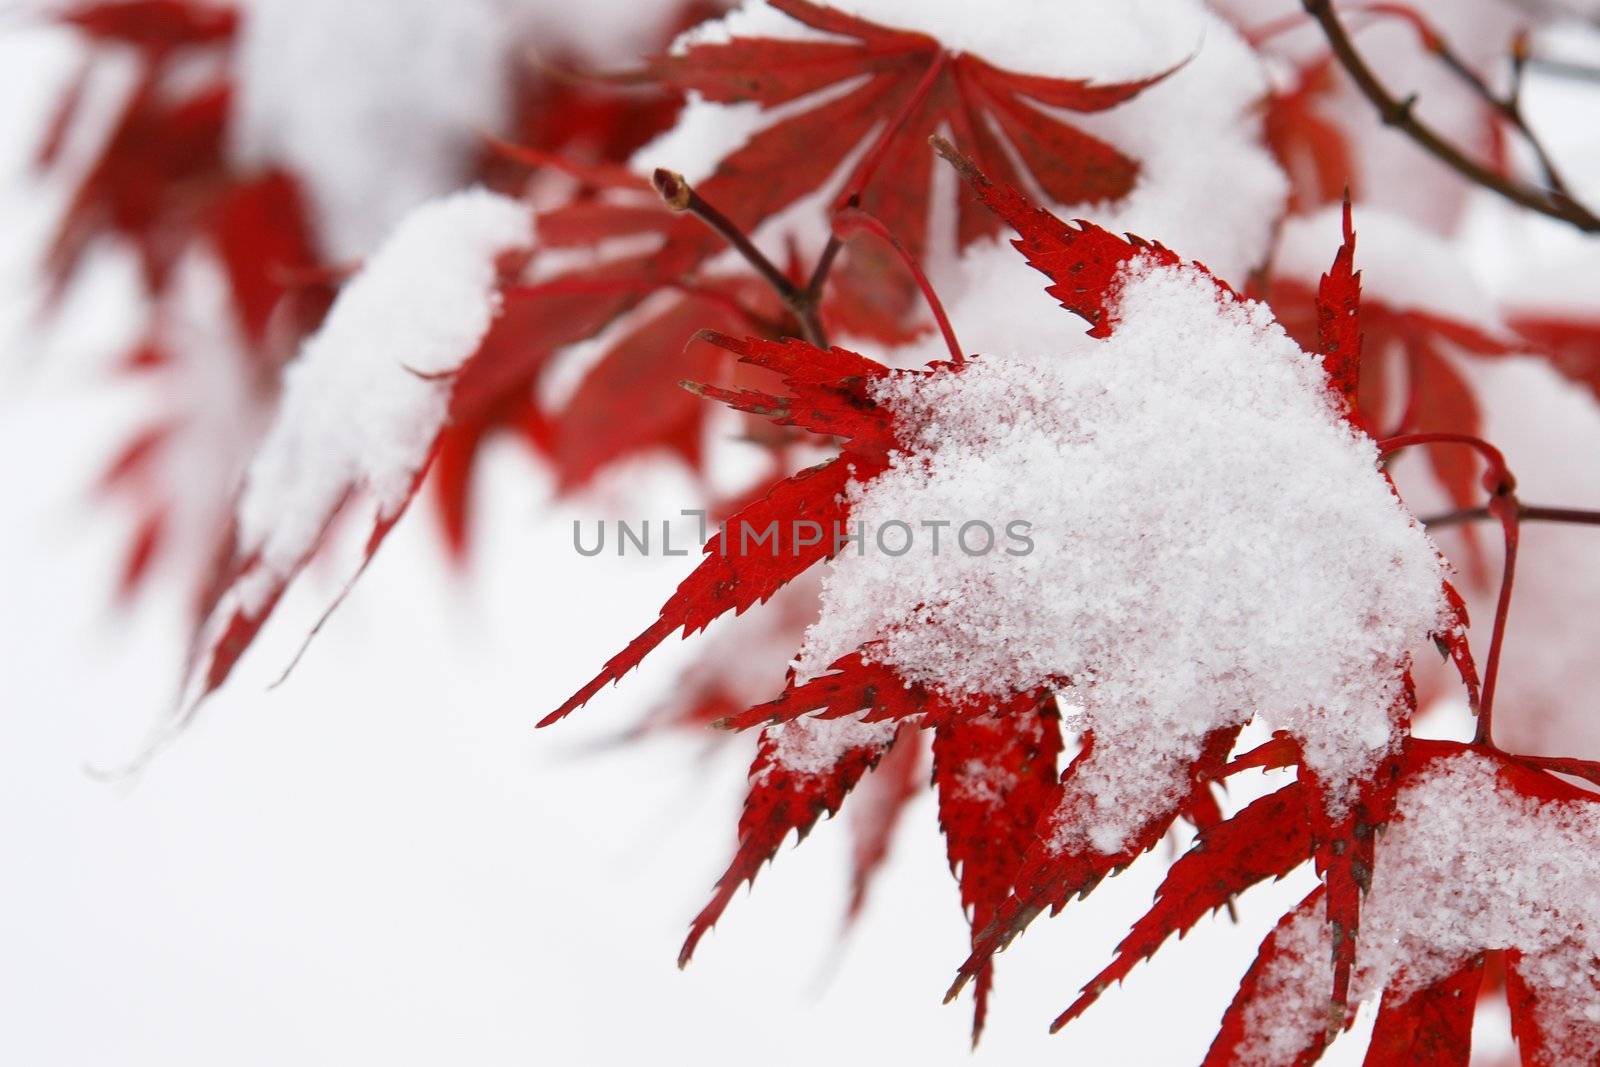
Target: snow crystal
(1470,865)
(983,783)
(1291,1004)
(357,410)
(814,746)
(1467,865)
(1212,543)
(375,106)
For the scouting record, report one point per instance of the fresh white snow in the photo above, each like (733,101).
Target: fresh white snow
(1467,865)
(364,400)
(813,746)
(1212,543)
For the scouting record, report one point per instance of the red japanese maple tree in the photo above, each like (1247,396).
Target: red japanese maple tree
(1250,453)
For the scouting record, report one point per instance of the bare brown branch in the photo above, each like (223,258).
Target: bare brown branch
(679,195)
(1527,513)
(1400,113)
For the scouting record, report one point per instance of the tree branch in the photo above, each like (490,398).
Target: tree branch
(1401,114)
(1508,107)
(1528,513)
(681,196)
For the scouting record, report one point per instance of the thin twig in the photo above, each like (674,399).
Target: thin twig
(1491,455)
(854,220)
(1504,506)
(1401,114)
(681,196)
(1508,107)
(819,274)
(1527,513)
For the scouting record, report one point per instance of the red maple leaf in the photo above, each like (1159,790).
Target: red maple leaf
(257,230)
(627,404)
(827,393)
(795,780)
(155,27)
(718,684)
(1228,1046)
(1571,342)
(160,181)
(996,777)
(1430,1024)
(913,80)
(1318,128)
(491,233)
(630,404)
(162,162)
(1313,149)
(1266,839)
(922,87)
(875,814)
